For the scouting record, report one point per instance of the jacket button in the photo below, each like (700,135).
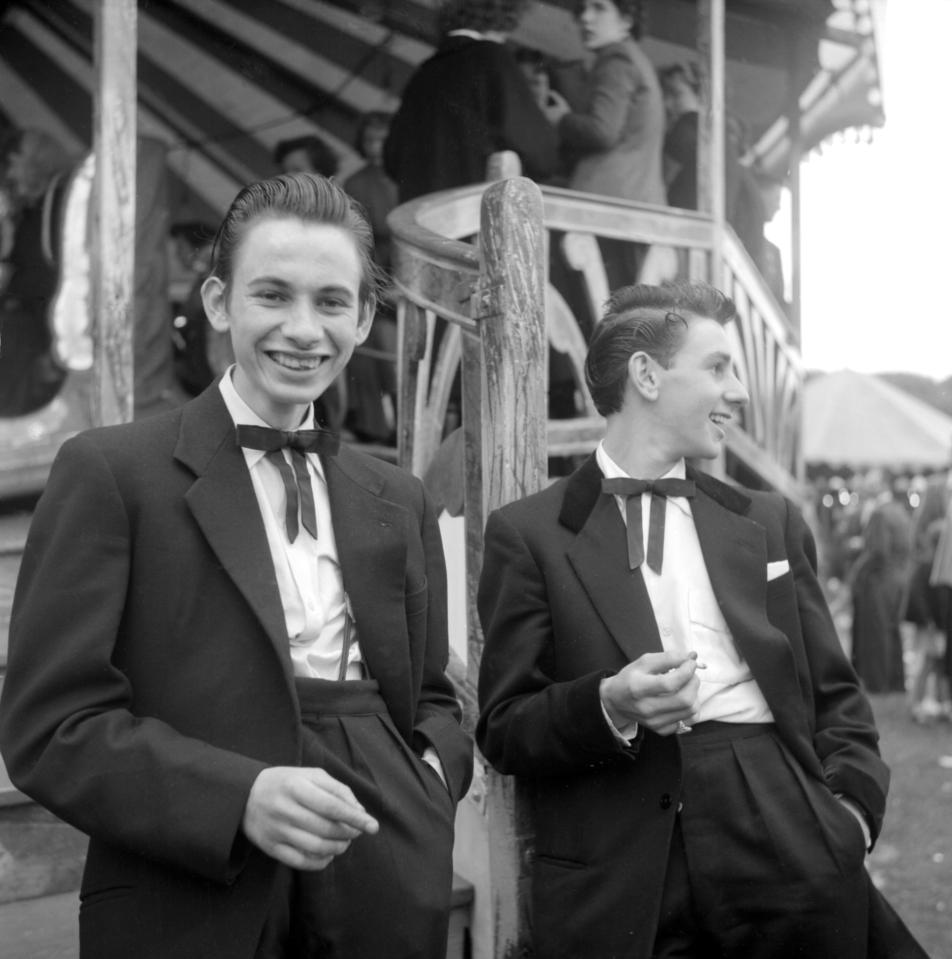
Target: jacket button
(665,801)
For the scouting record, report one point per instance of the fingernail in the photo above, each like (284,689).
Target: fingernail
(700,665)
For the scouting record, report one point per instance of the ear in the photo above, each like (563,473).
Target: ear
(214,299)
(365,321)
(643,375)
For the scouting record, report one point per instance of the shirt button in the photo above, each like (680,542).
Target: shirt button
(665,629)
(665,801)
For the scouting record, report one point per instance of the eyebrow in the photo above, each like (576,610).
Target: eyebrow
(337,288)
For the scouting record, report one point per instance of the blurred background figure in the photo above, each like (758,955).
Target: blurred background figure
(36,171)
(191,331)
(614,137)
(468,101)
(941,580)
(536,71)
(925,608)
(680,90)
(372,371)
(307,154)
(878,586)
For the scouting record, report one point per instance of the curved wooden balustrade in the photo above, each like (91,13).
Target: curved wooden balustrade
(768,357)
(437,269)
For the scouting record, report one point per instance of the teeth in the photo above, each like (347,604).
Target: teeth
(296,362)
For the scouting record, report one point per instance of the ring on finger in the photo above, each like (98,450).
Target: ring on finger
(682,728)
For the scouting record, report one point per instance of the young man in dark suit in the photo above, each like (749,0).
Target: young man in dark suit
(662,673)
(228,640)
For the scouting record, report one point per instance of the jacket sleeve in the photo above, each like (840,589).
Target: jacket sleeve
(602,124)
(532,723)
(438,715)
(845,737)
(67,728)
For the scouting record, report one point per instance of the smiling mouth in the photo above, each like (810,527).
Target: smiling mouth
(719,419)
(291,361)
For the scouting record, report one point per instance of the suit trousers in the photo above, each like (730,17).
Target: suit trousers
(388,896)
(765,862)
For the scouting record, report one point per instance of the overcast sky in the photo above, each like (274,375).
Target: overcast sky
(877,218)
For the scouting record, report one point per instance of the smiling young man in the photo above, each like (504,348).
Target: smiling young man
(662,674)
(229,640)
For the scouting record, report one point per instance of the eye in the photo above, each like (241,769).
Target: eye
(269,295)
(334,303)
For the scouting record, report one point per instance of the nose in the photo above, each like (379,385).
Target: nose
(304,325)
(736,393)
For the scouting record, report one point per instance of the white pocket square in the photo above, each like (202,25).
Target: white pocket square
(776,569)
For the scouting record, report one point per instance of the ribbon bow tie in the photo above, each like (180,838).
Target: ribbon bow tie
(305,441)
(632,490)
(297,483)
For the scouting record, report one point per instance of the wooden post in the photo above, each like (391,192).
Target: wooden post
(711,126)
(796,81)
(113,249)
(504,413)
(711,176)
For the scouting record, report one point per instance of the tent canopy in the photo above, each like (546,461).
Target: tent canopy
(220,82)
(856,421)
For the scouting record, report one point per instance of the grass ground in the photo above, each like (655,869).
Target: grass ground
(912,862)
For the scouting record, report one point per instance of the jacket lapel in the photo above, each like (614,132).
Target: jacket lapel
(371,534)
(223,502)
(599,556)
(735,554)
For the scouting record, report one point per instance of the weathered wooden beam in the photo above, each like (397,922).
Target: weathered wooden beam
(509,380)
(114,197)
(711,125)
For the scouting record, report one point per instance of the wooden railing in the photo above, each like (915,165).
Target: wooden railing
(438,271)
(477,317)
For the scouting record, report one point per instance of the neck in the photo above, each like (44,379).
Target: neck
(637,448)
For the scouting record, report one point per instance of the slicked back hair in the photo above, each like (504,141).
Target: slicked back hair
(303,196)
(648,319)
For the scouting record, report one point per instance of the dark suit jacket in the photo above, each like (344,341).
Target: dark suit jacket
(561,610)
(469,100)
(149,677)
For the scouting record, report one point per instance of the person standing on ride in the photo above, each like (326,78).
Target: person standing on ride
(615,138)
(228,641)
(36,175)
(468,101)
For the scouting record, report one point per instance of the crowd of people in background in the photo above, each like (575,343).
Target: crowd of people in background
(618,126)
(886,559)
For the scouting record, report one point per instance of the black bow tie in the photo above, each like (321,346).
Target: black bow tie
(306,441)
(297,483)
(632,489)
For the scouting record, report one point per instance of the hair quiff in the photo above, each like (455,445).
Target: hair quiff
(648,319)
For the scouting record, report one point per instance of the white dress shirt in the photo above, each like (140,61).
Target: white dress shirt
(316,608)
(308,571)
(687,611)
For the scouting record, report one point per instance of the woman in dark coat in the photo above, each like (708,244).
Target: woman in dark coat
(879,590)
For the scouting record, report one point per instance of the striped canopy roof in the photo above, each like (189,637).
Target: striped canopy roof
(222,81)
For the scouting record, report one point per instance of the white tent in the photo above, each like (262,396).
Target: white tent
(857,421)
